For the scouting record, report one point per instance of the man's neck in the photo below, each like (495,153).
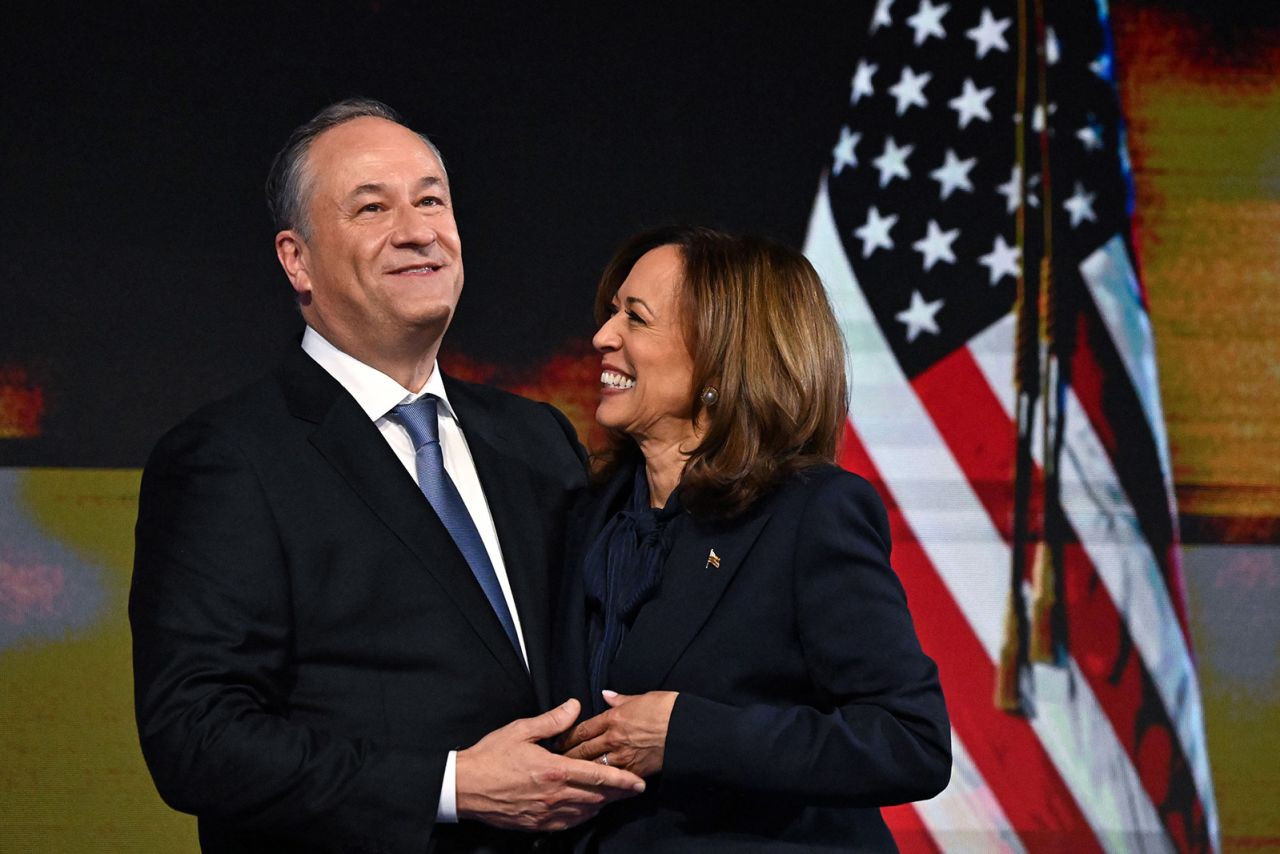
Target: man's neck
(410,364)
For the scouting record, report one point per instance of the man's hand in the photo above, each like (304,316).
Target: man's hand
(507,780)
(632,734)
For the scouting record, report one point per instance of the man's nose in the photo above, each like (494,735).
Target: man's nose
(413,227)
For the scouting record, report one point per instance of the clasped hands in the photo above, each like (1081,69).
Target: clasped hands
(507,779)
(630,734)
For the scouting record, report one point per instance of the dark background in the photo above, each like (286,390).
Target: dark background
(139,279)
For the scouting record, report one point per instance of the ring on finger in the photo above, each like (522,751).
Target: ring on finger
(604,759)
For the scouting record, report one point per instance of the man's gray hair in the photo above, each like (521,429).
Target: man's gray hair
(288,183)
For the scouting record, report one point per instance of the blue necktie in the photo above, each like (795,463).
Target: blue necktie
(419,418)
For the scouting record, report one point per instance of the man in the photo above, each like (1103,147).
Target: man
(341,589)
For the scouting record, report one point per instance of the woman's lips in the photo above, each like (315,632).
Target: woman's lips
(614,380)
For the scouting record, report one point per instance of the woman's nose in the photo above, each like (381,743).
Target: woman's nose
(606,338)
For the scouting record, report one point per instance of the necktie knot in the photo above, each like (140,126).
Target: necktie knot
(420,420)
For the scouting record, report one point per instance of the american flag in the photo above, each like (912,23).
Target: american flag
(973,232)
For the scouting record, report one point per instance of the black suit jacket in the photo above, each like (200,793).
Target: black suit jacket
(308,641)
(805,700)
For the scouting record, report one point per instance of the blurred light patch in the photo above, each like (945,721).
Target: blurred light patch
(48,592)
(1202,98)
(29,592)
(21,405)
(568,380)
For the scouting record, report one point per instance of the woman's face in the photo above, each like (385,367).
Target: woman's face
(646,370)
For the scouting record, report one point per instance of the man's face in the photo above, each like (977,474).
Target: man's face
(382,268)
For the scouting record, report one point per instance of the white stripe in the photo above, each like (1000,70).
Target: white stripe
(967,816)
(1094,762)
(1113,283)
(1107,525)
(967,551)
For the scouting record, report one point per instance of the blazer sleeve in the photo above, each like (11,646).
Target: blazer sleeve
(881,735)
(570,435)
(211,619)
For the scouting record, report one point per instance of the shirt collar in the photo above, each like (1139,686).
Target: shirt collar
(375,392)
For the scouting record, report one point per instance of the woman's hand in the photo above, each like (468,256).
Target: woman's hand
(632,734)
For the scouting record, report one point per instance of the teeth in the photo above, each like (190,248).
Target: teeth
(613,379)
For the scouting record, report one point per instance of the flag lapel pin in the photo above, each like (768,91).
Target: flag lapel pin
(713,560)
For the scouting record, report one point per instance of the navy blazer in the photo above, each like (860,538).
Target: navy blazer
(805,700)
(308,641)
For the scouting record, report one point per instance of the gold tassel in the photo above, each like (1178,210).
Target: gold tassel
(1043,598)
(1008,695)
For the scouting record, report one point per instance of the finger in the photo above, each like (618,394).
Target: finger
(549,723)
(613,698)
(604,777)
(587,730)
(602,797)
(588,750)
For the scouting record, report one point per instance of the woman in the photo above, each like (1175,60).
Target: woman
(730,614)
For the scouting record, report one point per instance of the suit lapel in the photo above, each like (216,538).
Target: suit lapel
(692,584)
(591,514)
(504,478)
(350,442)
(512,504)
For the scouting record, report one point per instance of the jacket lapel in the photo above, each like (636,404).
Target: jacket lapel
(350,442)
(511,500)
(693,580)
(590,513)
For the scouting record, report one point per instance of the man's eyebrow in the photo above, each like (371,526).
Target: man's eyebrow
(424,183)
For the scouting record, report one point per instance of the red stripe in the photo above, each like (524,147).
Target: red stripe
(909,830)
(967,413)
(1102,385)
(1103,649)
(1007,752)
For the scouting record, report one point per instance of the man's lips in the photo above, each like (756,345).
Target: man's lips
(422,268)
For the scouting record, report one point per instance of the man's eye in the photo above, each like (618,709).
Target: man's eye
(372,207)
(430,202)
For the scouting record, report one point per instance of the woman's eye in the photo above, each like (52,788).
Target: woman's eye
(635,318)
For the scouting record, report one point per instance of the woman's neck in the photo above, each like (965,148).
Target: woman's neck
(664,461)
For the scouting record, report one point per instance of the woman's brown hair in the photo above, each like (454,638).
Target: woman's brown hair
(761,332)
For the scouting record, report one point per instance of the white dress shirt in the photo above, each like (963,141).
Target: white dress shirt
(378,394)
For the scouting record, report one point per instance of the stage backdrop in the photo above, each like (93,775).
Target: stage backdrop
(1128,704)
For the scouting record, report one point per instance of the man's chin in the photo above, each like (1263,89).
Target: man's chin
(431,321)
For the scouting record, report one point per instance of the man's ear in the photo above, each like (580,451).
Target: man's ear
(291,249)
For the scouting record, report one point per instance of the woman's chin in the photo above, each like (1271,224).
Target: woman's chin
(608,417)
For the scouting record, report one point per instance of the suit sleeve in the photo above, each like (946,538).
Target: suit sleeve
(570,435)
(881,736)
(211,618)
